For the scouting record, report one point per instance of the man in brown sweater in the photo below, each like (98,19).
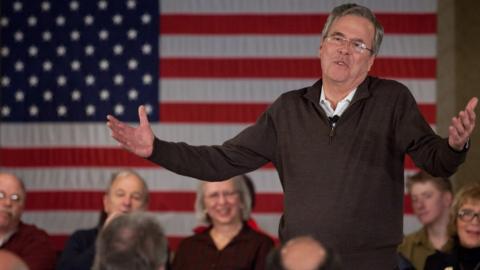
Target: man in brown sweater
(338,146)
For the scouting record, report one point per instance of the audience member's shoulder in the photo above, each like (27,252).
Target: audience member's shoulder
(86,232)
(84,235)
(31,231)
(259,236)
(293,95)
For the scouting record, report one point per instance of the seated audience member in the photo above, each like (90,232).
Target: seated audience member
(131,241)
(251,192)
(228,243)
(431,201)
(10,261)
(126,192)
(465,230)
(302,253)
(28,242)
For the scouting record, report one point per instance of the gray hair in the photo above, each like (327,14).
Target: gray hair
(124,173)
(131,241)
(357,10)
(242,189)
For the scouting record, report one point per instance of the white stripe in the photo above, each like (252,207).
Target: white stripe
(259,90)
(158,179)
(282,46)
(60,135)
(97,179)
(410,224)
(178,224)
(174,223)
(290,6)
(98,135)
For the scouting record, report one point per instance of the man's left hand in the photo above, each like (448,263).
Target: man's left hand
(462,126)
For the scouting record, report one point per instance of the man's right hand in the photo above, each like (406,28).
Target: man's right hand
(137,140)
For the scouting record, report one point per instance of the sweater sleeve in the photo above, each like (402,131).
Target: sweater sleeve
(428,150)
(79,252)
(34,247)
(247,151)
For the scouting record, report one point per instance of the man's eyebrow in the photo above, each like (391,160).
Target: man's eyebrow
(343,35)
(337,34)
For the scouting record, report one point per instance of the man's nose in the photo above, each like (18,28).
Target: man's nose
(127,201)
(346,48)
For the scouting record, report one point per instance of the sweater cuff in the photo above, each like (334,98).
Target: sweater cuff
(155,152)
(464,150)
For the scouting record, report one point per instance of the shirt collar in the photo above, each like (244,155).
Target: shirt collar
(341,106)
(6,237)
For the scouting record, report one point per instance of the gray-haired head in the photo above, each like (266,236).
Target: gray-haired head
(357,10)
(243,191)
(131,241)
(124,173)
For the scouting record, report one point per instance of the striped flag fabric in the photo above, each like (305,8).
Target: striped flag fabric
(205,69)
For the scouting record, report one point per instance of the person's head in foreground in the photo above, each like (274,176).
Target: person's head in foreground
(302,253)
(131,241)
(10,261)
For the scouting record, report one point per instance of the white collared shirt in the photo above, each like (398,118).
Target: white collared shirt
(341,106)
(7,237)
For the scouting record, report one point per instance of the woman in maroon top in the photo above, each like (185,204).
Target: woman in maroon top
(228,243)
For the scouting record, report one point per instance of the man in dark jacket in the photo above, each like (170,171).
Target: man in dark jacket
(338,146)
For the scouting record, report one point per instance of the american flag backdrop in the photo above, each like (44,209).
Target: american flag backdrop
(205,70)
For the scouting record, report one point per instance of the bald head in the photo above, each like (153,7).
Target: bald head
(11,261)
(12,202)
(303,253)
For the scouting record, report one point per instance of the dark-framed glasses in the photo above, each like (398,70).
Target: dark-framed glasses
(357,45)
(468,215)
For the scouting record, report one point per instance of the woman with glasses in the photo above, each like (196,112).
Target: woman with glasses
(465,229)
(228,243)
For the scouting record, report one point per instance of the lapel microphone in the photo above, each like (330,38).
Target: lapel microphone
(332,120)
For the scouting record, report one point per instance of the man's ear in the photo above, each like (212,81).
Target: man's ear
(448,198)
(106,205)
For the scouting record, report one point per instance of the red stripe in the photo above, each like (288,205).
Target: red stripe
(61,157)
(70,157)
(159,201)
(235,112)
(418,68)
(211,112)
(84,157)
(294,24)
(407,205)
(59,241)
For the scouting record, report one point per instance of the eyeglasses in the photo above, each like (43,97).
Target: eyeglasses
(358,46)
(14,197)
(226,194)
(468,215)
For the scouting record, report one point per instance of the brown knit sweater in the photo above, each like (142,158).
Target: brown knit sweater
(346,190)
